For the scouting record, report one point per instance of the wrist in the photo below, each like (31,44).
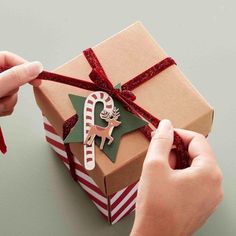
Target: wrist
(160,226)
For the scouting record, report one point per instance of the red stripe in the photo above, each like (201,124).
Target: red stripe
(62,158)
(108,106)
(101,95)
(55,143)
(112,195)
(124,206)
(90,102)
(49,128)
(88,117)
(89,159)
(121,197)
(108,99)
(128,212)
(94,96)
(106,217)
(89,109)
(91,186)
(80,168)
(100,203)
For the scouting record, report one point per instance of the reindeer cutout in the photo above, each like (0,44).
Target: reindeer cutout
(110,114)
(104,132)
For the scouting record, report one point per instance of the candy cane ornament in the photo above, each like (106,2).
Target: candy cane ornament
(110,114)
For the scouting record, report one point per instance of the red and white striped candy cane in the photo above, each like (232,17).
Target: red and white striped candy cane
(89,112)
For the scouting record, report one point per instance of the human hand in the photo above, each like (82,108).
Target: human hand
(176,202)
(20,73)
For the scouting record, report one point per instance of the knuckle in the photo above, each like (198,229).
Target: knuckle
(10,103)
(154,164)
(221,195)
(217,177)
(14,73)
(161,137)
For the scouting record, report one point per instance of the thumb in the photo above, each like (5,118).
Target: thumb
(161,143)
(16,76)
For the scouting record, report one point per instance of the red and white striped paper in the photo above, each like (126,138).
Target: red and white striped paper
(113,207)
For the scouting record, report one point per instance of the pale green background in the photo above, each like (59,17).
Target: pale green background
(37,195)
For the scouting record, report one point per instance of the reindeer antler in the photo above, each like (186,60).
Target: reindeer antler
(105,115)
(115,113)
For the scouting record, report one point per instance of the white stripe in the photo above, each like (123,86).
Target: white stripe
(124,211)
(77,161)
(89,106)
(46,120)
(105,212)
(86,177)
(54,136)
(93,193)
(117,195)
(59,151)
(66,165)
(125,199)
(49,134)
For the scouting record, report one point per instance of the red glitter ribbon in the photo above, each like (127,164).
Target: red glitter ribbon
(124,96)
(3,147)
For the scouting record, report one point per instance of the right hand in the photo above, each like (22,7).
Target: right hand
(176,202)
(20,73)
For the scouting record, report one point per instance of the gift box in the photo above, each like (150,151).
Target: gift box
(113,182)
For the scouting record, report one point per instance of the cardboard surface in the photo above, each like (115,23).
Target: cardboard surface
(168,95)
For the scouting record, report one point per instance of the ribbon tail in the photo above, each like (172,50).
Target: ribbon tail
(182,160)
(3,147)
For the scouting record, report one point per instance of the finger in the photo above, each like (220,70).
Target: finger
(7,104)
(197,144)
(10,59)
(161,143)
(7,113)
(36,82)
(18,75)
(11,93)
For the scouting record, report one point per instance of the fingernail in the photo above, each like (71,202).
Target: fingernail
(164,127)
(34,68)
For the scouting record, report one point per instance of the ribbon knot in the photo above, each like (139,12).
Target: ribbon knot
(104,84)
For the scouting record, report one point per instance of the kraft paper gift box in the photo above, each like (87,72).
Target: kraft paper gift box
(112,186)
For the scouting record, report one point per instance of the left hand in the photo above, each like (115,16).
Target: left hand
(20,73)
